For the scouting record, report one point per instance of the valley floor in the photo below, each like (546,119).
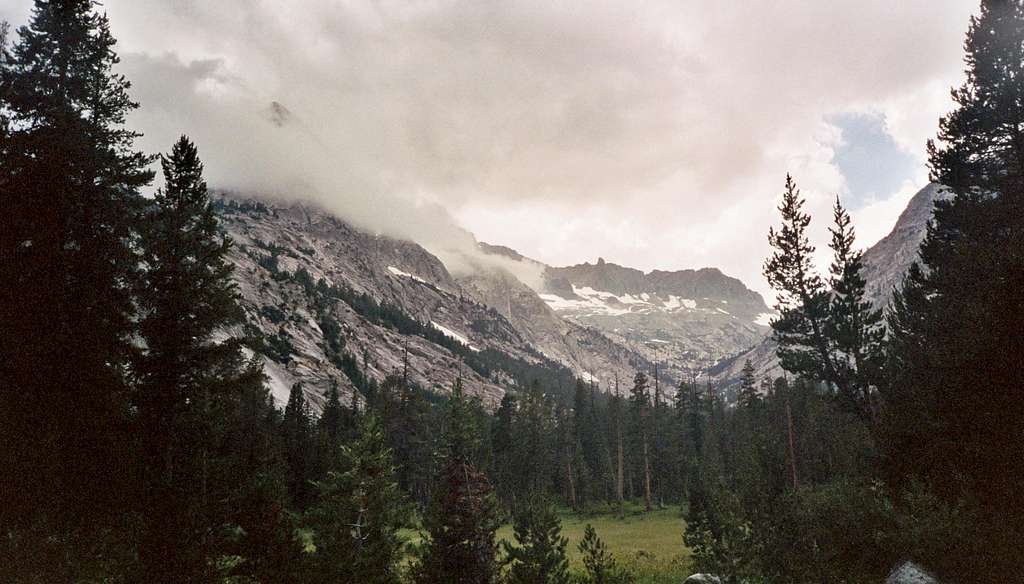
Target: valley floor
(649,544)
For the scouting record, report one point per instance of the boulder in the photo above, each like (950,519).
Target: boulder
(910,573)
(703,579)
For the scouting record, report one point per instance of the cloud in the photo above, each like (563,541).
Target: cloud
(655,134)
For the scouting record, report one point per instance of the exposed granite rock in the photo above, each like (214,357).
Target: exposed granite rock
(910,573)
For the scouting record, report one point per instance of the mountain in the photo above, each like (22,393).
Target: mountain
(885,263)
(687,319)
(334,303)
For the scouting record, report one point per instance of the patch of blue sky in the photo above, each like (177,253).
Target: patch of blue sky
(873,164)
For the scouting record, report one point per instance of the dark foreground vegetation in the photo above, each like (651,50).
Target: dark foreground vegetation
(141,446)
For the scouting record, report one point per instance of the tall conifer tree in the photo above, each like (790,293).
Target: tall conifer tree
(953,403)
(189,384)
(69,180)
(747,396)
(803,301)
(640,408)
(461,520)
(854,325)
(358,514)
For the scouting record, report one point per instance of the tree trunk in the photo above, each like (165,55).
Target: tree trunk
(647,478)
(571,483)
(620,479)
(792,450)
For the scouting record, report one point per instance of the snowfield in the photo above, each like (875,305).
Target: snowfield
(454,335)
(402,274)
(593,302)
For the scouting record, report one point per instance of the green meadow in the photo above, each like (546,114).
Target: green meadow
(649,544)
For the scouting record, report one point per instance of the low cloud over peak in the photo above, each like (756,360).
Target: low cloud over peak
(656,135)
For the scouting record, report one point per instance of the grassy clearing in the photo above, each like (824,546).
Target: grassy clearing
(649,544)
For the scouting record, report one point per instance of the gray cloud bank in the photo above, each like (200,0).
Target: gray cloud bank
(655,134)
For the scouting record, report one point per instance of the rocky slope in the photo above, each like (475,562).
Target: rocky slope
(885,263)
(687,319)
(333,303)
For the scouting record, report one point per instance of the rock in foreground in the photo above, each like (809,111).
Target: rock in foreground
(910,573)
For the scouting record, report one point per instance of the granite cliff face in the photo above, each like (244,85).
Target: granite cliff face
(333,303)
(687,320)
(887,261)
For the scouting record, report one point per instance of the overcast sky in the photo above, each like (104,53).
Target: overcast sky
(654,134)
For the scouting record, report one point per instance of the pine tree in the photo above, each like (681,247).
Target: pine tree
(829,335)
(332,416)
(659,439)
(539,554)
(461,521)
(536,457)
(600,565)
(640,403)
(582,443)
(358,513)
(953,406)
(69,180)
(415,460)
(597,455)
(265,534)
(333,427)
(296,432)
(567,455)
(691,412)
(803,301)
(747,397)
(188,383)
(855,327)
(503,439)
(616,436)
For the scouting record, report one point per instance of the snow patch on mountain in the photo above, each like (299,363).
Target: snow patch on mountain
(589,301)
(675,303)
(454,335)
(402,274)
(276,381)
(630,299)
(764,319)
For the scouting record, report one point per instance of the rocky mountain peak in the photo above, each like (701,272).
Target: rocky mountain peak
(887,261)
(278,114)
(686,319)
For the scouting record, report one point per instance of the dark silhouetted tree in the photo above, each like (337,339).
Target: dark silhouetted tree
(69,180)
(461,520)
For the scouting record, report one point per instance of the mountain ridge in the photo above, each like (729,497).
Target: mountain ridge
(337,304)
(686,320)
